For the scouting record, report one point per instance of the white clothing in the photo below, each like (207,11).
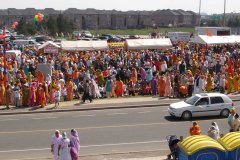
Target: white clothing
(57,95)
(213,134)
(202,85)
(55,142)
(65,150)
(222,60)
(222,82)
(17,93)
(206,63)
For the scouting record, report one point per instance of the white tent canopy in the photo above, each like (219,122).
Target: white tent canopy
(48,43)
(204,39)
(84,45)
(14,53)
(135,44)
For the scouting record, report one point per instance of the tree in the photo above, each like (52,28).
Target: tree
(22,27)
(64,25)
(25,28)
(51,25)
(233,22)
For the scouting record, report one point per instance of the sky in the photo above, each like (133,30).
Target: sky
(208,6)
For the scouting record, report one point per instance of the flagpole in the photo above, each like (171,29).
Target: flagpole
(200,6)
(224,13)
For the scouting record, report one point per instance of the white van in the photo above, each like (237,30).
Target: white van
(25,42)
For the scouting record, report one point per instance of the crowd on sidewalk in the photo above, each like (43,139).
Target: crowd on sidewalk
(176,72)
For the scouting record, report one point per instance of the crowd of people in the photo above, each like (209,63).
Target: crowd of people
(180,71)
(64,148)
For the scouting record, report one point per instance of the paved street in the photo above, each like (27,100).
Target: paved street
(101,132)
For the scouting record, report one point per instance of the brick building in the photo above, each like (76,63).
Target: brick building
(106,19)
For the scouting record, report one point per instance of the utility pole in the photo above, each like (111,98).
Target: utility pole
(199,14)
(224,14)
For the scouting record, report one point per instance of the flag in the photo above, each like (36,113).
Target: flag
(3,35)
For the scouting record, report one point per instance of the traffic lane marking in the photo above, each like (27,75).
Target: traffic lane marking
(87,146)
(44,118)
(110,126)
(5,120)
(113,114)
(90,115)
(144,112)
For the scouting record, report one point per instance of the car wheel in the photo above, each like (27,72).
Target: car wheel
(186,115)
(225,113)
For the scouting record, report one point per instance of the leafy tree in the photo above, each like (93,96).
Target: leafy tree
(22,27)
(51,25)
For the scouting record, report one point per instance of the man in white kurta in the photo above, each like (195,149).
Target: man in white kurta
(56,140)
(202,84)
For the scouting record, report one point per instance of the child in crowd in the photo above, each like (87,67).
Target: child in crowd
(64,93)
(101,90)
(57,96)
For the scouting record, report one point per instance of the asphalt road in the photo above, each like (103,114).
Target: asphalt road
(101,132)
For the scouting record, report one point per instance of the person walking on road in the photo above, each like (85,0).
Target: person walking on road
(195,129)
(56,139)
(74,144)
(64,148)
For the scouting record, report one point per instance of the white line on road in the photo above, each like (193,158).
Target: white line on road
(113,114)
(88,146)
(119,144)
(4,120)
(90,115)
(45,118)
(144,112)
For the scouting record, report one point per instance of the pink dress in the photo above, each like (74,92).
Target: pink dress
(33,95)
(52,96)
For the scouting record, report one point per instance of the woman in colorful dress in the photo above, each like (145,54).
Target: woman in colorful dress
(42,96)
(69,86)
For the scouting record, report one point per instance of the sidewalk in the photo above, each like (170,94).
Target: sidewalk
(99,104)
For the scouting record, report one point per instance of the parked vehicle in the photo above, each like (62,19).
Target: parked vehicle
(102,38)
(199,105)
(25,42)
(86,34)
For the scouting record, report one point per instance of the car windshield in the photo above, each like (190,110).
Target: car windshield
(191,100)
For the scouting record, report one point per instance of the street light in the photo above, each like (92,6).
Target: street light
(224,13)
(200,5)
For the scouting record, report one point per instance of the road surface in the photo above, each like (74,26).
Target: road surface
(101,132)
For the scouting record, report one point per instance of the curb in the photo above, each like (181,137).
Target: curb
(84,109)
(91,109)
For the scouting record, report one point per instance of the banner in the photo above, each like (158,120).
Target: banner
(50,49)
(116,45)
